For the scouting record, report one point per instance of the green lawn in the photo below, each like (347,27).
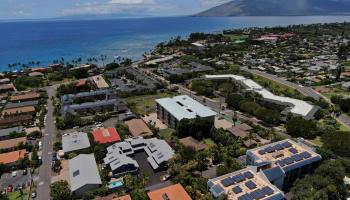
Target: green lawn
(166,133)
(234,37)
(209,142)
(145,104)
(317,141)
(16,195)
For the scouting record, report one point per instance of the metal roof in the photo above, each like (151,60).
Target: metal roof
(83,171)
(75,141)
(184,107)
(7,131)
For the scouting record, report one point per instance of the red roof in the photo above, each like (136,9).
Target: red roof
(106,135)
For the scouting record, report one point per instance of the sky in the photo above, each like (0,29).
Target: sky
(39,9)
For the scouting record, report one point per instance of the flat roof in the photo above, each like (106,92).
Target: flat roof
(184,107)
(286,153)
(83,171)
(298,107)
(105,135)
(21,104)
(244,184)
(176,192)
(75,141)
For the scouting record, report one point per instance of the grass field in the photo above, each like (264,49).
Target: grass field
(277,88)
(166,133)
(145,104)
(235,37)
(16,195)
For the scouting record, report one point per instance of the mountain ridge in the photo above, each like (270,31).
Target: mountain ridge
(279,8)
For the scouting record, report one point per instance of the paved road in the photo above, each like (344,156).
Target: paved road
(49,134)
(306,91)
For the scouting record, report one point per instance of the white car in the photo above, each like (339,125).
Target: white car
(14,174)
(40,145)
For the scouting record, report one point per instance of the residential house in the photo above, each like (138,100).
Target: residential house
(76,141)
(83,174)
(173,192)
(138,128)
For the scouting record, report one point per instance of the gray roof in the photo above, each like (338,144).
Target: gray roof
(7,131)
(68,97)
(158,151)
(75,141)
(83,171)
(184,107)
(21,104)
(74,107)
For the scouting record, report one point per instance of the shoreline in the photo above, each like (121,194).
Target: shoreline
(116,44)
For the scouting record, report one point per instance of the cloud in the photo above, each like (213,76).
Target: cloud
(111,7)
(132,2)
(213,2)
(21,13)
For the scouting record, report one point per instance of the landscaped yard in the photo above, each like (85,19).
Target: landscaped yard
(145,104)
(17,195)
(166,133)
(209,142)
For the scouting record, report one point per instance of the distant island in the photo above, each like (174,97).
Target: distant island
(279,8)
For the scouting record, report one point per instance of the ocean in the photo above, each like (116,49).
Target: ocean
(46,41)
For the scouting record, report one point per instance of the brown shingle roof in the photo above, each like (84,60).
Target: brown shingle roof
(15,120)
(241,131)
(25,96)
(191,142)
(5,144)
(173,192)
(138,127)
(13,111)
(11,157)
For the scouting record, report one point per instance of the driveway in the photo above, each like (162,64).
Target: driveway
(145,168)
(6,179)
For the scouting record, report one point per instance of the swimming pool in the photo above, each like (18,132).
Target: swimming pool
(115,184)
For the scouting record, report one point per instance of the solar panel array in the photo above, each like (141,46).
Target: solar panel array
(227,182)
(293,158)
(257,194)
(274,148)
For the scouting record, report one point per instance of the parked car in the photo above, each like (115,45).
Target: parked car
(14,174)
(9,188)
(54,156)
(24,172)
(165,177)
(40,145)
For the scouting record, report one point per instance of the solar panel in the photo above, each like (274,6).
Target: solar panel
(306,154)
(261,152)
(260,194)
(248,175)
(237,190)
(287,144)
(217,189)
(240,177)
(267,190)
(227,182)
(293,150)
(250,184)
(278,147)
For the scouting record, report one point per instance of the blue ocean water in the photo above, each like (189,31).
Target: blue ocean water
(46,41)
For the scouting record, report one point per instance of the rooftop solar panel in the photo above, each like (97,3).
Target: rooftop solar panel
(240,177)
(306,154)
(267,190)
(261,152)
(248,175)
(250,184)
(217,189)
(293,150)
(260,194)
(227,182)
(237,190)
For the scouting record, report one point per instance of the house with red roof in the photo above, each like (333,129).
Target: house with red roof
(106,135)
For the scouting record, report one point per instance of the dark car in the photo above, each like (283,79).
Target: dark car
(54,156)
(24,172)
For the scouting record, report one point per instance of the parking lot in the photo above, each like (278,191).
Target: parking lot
(19,180)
